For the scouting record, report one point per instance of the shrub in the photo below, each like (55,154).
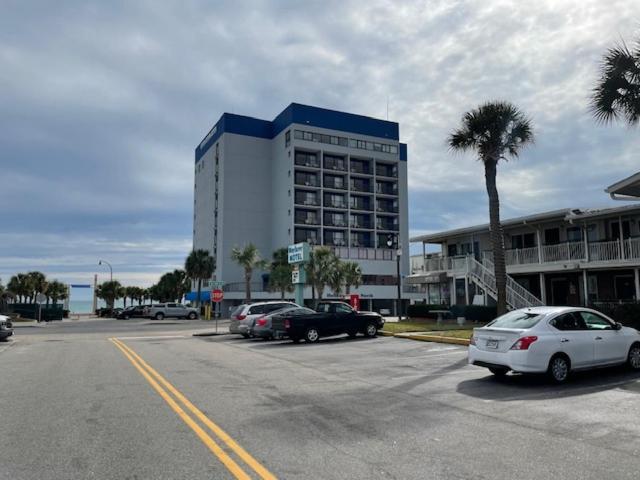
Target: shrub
(422,310)
(628,314)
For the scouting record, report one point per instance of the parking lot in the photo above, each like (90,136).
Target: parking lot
(356,409)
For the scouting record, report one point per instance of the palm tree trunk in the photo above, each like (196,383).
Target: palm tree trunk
(247,286)
(497,238)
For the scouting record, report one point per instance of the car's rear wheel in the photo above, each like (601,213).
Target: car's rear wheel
(370,330)
(159,316)
(633,359)
(559,368)
(193,316)
(312,335)
(499,372)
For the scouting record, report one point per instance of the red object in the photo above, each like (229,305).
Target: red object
(354,301)
(523,343)
(240,317)
(261,321)
(217,295)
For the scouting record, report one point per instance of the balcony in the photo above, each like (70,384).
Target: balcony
(387,226)
(360,168)
(337,183)
(335,221)
(335,201)
(307,160)
(364,206)
(307,200)
(307,180)
(307,218)
(386,188)
(335,163)
(360,186)
(386,171)
(361,223)
(386,208)
(332,241)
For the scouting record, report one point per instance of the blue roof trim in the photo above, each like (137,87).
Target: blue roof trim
(303,115)
(403,152)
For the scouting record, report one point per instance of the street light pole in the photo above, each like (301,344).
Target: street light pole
(100,262)
(391,240)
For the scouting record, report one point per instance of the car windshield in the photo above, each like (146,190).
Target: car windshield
(517,319)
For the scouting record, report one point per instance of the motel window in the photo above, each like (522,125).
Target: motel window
(574,234)
(523,240)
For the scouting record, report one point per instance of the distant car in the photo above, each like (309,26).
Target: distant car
(553,340)
(131,312)
(262,325)
(108,312)
(166,310)
(330,318)
(6,327)
(243,316)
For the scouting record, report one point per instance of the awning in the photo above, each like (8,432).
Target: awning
(205,296)
(421,278)
(626,189)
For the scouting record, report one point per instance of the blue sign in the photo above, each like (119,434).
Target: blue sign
(298,253)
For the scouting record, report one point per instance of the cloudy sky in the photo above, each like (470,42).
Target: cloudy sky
(103,103)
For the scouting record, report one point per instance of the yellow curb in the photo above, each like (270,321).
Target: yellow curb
(385,333)
(435,338)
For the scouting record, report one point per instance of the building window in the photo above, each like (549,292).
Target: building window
(523,240)
(287,138)
(574,234)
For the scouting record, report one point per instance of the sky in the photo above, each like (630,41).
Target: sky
(103,103)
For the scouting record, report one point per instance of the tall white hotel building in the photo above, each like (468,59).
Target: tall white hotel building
(316,175)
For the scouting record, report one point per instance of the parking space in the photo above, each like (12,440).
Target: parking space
(385,407)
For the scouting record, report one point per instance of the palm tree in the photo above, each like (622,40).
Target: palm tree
(199,266)
(38,283)
(352,275)
(182,284)
(495,131)
(617,93)
(249,259)
(280,273)
(20,285)
(336,278)
(110,291)
(56,291)
(322,263)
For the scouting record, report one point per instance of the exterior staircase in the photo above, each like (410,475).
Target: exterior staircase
(482,275)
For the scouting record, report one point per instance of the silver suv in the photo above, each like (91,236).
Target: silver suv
(243,317)
(6,329)
(162,310)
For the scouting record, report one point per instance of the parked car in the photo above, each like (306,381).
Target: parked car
(164,310)
(330,318)
(243,316)
(6,327)
(136,311)
(553,340)
(106,312)
(262,325)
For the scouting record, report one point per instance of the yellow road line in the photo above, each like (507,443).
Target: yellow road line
(228,462)
(219,432)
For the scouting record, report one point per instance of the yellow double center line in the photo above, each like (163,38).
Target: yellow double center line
(166,390)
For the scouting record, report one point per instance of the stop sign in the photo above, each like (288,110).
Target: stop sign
(217,295)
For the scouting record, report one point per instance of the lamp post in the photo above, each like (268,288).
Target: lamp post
(100,262)
(391,239)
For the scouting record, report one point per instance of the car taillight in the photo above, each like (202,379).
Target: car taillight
(287,323)
(523,343)
(261,321)
(241,317)
(472,340)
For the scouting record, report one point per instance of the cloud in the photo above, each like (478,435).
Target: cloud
(104,103)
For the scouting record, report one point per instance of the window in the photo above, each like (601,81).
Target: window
(343,308)
(595,322)
(523,240)
(568,321)
(298,134)
(615,230)
(287,138)
(256,309)
(516,319)
(552,236)
(574,234)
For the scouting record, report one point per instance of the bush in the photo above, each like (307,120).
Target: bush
(422,310)
(628,314)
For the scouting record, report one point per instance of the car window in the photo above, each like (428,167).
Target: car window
(238,310)
(595,322)
(171,305)
(323,308)
(256,309)
(342,308)
(272,307)
(568,321)
(516,319)
(301,311)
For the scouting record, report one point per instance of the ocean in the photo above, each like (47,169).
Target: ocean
(84,306)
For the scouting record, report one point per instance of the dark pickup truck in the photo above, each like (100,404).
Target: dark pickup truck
(331,318)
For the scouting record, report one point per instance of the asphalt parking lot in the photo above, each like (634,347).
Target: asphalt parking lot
(340,409)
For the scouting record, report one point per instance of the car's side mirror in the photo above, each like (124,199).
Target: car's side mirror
(617,326)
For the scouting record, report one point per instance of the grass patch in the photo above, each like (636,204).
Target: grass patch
(459,333)
(424,326)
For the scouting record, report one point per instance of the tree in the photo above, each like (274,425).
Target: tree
(495,131)
(617,93)
(352,275)
(37,283)
(56,291)
(249,259)
(322,263)
(335,278)
(280,273)
(199,266)
(110,291)
(182,284)
(20,285)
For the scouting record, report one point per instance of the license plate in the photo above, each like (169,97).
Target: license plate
(492,343)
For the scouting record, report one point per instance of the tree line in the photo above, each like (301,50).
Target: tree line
(25,288)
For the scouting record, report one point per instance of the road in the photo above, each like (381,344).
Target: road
(159,403)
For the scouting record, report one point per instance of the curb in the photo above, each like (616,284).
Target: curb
(384,333)
(434,338)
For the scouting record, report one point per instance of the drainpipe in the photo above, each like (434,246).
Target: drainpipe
(621,238)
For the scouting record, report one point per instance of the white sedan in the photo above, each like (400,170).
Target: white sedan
(555,340)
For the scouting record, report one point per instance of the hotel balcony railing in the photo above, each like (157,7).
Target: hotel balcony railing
(388,226)
(310,220)
(386,209)
(338,185)
(361,224)
(356,253)
(360,169)
(306,162)
(333,165)
(307,181)
(386,172)
(386,189)
(307,201)
(334,204)
(330,222)
(361,206)
(309,240)
(613,251)
(361,187)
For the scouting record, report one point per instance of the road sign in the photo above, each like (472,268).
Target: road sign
(41,298)
(217,295)
(298,253)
